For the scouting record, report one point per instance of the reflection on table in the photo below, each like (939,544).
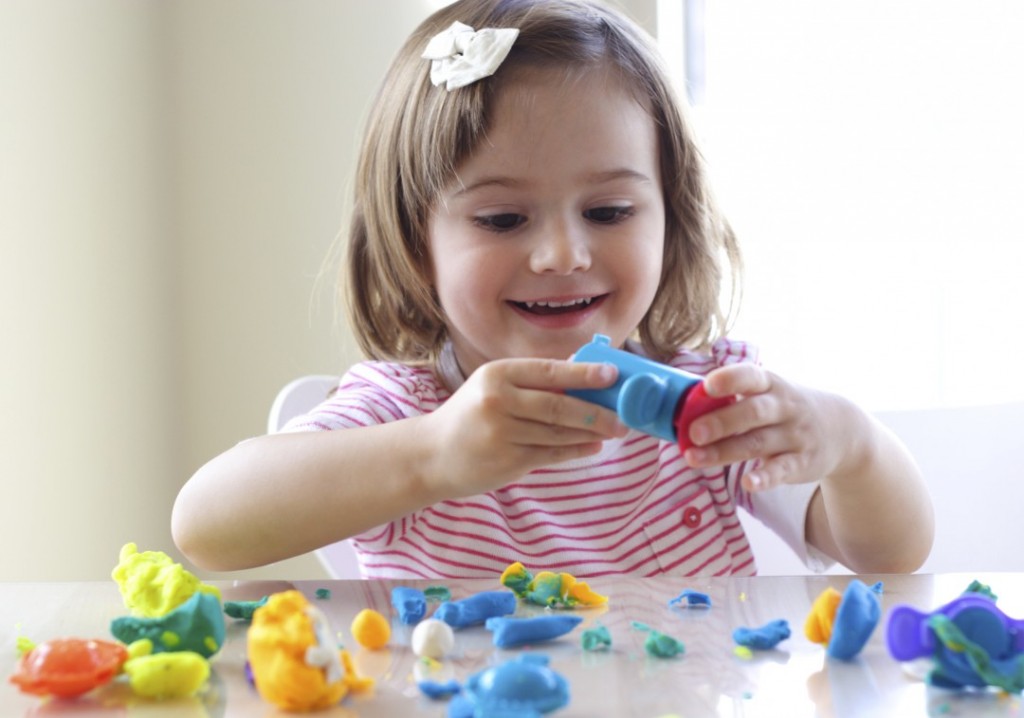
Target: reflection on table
(709,679)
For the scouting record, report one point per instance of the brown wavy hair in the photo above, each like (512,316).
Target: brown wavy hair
(417,135)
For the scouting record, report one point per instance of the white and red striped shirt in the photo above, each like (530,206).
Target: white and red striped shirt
(635,508)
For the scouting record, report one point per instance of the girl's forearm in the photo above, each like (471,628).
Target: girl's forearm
(874,513)
(279,496)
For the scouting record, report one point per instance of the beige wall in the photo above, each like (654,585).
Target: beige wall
(89,421)
(172,176)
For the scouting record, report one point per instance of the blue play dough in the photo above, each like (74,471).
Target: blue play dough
(524,687)
(435,690)
(409,603)
(767,636)
(859,612)
(476,609)
(692,599)
(511,632)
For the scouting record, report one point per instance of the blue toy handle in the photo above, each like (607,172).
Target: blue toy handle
(646,393)
(642,399)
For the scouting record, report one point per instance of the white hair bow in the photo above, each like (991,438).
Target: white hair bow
(461,55)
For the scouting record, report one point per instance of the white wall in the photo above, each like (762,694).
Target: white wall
(871,157)
(269,100)
(172,176)
(88,417)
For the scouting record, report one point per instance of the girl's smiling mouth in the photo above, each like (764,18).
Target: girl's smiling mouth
(549,307)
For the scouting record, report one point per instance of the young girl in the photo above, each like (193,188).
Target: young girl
(527,181)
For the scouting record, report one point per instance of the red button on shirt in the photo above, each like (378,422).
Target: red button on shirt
(691,517)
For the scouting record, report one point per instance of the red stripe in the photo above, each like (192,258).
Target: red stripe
(516,547)
(591,517)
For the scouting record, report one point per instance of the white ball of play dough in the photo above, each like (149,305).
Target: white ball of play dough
(432,639)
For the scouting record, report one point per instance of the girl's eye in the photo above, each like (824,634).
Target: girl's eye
(608,215)
(500,222)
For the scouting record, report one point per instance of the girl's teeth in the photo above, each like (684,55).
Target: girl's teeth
(571,302)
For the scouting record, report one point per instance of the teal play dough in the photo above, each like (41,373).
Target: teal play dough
(596,638)
(196,625)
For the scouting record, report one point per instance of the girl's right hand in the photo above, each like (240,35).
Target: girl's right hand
(510,417)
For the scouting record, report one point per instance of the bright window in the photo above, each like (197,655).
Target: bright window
(871,158)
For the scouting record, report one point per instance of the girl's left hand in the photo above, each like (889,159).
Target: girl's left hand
(795,432)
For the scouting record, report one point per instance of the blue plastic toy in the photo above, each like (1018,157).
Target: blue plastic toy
(521,688)
(650,397)
(971,640)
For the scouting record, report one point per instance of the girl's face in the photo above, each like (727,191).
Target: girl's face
(554,228)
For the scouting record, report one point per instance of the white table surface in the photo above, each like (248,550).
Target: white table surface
(796,679)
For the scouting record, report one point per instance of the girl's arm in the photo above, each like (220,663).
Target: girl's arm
(875,514)
(872,511)
(278,496)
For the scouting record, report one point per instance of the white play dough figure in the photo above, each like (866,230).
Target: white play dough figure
(432,639)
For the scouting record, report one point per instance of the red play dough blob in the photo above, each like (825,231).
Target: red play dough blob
(68,667)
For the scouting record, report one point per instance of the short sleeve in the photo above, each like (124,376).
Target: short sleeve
(784,510)
(373,393)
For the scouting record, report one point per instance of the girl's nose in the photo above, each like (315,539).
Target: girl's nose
(562,249)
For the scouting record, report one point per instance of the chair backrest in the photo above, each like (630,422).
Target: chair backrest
(298,397)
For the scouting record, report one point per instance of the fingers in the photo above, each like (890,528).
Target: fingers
(752,413)
(738,379)
(554,374)
(548,455)
(785,468)
(764,442)
(768,423)
(531,391)
(550,418)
